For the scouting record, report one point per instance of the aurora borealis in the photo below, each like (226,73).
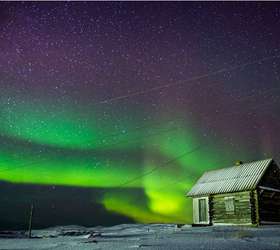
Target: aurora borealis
(131,102)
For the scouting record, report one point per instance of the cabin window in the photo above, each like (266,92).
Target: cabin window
(229,204)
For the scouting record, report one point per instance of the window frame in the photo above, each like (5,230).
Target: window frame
(229,202)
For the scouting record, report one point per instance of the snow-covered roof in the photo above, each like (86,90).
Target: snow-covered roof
(233,179)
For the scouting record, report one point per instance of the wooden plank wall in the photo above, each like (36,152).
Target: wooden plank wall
(254,207)
(269,206)
(269,201)
(241,214)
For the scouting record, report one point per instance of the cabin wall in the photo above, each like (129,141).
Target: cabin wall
(255,216)
(269,207)
(231,208)
(269,196)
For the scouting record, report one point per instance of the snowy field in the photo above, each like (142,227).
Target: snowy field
(137,236)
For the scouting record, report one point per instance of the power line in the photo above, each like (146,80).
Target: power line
(160,166)
(195,78)
(191,79)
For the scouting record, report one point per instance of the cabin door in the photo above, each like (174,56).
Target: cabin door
(202,210)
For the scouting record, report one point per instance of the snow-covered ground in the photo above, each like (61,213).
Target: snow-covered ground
(138,236)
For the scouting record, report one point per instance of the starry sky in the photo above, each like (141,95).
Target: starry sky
(132,102)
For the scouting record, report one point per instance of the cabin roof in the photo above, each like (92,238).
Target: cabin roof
(232,179)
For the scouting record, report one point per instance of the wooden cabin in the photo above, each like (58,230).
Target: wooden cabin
(247,193)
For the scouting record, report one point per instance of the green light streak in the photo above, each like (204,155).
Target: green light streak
(42,124)
(68,173)
(64,149)
(128,204)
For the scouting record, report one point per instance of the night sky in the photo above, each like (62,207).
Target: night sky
(133,101)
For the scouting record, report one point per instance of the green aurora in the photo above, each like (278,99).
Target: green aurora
(50,147)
